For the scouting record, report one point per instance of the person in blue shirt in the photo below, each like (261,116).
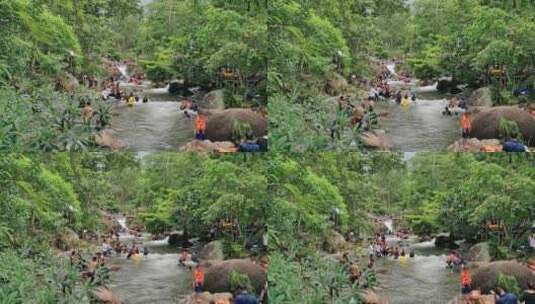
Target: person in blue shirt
(243,297)
(503,297)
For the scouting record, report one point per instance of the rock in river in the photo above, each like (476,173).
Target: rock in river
(212,251)
(485,276)
(485,124)
(217,274)
(222,125)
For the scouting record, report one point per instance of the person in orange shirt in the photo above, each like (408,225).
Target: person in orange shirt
(200,127)
(466,281)
(198,278)
(466,124)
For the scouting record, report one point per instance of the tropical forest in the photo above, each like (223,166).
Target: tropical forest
(402,228)
(267,151)
(133,75)
(399,75)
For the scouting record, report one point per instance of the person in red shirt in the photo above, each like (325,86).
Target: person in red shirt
(198,278)
(466,124)
(200,127)
(466,281)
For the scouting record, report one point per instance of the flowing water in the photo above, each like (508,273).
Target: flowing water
(420,126)
(423,279)
(153,126)
(155,278)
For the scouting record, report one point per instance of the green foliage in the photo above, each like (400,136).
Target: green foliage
(308,281)
(47,121)
(194,40)
(509,283)
(239,280)
(508,128)
(463,197)
(41,279)
(495,36)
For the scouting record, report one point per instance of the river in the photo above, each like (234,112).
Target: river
(420,126)
(153,126)
(156,278)
(422,279)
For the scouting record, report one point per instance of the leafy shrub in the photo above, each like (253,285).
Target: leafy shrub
(509,283)
(238,279)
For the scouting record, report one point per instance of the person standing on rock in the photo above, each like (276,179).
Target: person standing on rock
(200,127)
(466,125)
(198,278)
(466,282)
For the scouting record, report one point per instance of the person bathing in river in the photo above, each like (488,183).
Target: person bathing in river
(183,258)
(131,100)
(398,97)
(198,278)
(189,108)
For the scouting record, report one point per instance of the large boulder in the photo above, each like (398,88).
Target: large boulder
(177,238)
(370,297)
(209,146)
(209,298)
(212,251)
(336,84)
(213,100)
(105,295)
(335,242)
(443,240)
(178,87)
(447,85)
(482,299)
(476,145)
(221,125)
(485,123)
(67,239)
(486,275)
(376,139)
(480,98)
(479,253)
(217,274)
(106,139)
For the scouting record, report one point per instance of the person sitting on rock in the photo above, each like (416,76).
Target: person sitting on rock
(513,145)
(503,297)
(243,297)
(198,278)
